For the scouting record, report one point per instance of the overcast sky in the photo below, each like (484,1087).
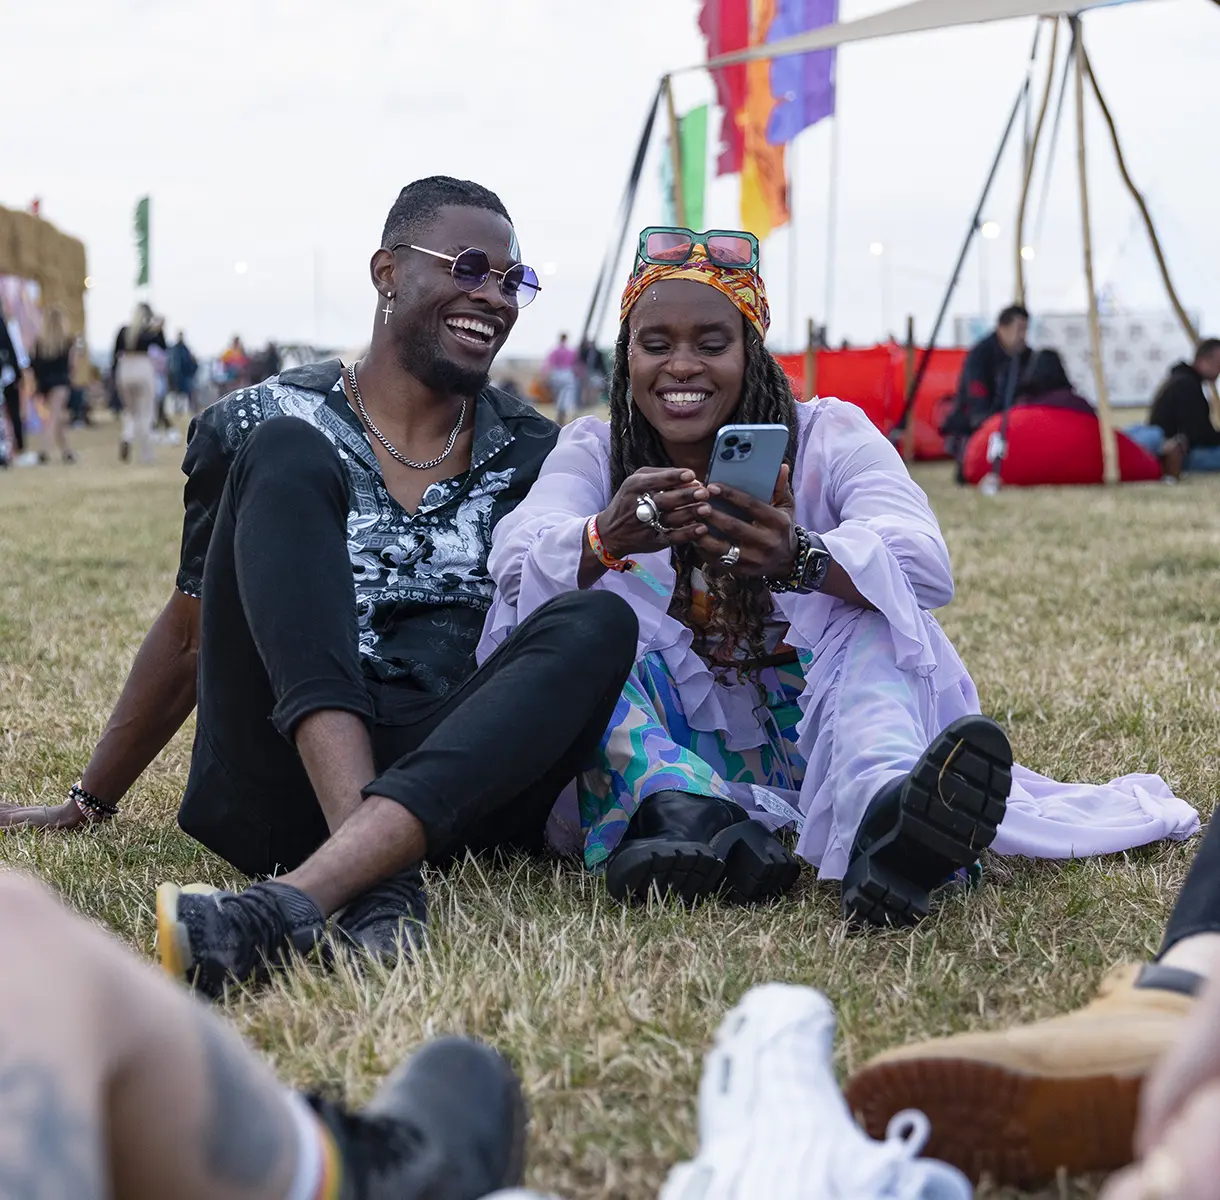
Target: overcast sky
(276,133)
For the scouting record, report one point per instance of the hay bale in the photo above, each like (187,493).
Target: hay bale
(34,249)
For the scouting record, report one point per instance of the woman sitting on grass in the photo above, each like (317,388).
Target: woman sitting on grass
(790,672)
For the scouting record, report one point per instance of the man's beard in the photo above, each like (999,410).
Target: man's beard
(421,355)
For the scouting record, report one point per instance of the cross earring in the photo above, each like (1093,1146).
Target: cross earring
(389,308)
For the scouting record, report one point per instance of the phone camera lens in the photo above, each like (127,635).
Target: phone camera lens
(746,447)
(731,440)
(727,455)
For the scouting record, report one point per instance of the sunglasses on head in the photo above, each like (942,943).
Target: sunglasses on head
(671,245)
(472,268)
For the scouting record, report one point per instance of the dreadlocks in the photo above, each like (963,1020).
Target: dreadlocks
(741,605)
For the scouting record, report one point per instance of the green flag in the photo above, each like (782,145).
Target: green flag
(142,241)
(693,136)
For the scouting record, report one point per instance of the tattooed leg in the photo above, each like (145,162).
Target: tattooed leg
(113,1082)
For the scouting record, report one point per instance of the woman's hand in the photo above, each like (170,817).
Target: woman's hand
(766,538)
(678,497)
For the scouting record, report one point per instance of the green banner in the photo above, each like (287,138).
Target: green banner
(141,225)
(693,136)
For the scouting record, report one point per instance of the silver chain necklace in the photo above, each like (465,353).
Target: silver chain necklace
(385,441)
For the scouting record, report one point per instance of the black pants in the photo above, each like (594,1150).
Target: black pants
(12,402)
(480,767)
(1198,906)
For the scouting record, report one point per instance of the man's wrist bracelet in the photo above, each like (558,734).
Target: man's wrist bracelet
(89,804)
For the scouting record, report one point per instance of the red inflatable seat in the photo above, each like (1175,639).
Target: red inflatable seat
(1051,445)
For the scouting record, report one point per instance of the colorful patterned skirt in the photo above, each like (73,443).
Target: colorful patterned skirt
(649,747)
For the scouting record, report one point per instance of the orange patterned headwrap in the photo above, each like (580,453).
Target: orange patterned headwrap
(743,286)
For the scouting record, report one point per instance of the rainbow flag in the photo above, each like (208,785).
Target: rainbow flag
(766,104)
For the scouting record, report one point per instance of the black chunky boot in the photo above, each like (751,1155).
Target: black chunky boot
(922,827)
(694,846)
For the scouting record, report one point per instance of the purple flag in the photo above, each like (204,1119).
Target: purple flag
(803,84)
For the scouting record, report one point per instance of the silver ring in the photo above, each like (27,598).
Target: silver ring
(730,556)
(646,511)
(659,527)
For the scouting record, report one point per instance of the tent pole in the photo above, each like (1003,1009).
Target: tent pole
(926,357)
(811,360)
(602,289)
(675,152)
(1031,158)
(1178,308)
(908,434)
(1187,324)
(793,251)
(832,226)
(1109,443)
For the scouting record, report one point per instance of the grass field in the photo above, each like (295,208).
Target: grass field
(1089,619)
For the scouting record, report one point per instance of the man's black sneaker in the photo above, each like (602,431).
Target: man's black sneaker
(390,920)
(210,937)
(694,846)
(448,1124)
(922,827)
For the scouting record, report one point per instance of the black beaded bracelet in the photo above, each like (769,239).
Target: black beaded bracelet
(89,804)
(789,584)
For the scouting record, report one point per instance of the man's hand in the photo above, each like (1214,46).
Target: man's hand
(44,816)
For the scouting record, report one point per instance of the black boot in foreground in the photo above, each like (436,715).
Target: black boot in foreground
(449,1124)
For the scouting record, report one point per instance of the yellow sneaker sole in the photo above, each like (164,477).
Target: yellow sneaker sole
(173,941)
(1014,1127)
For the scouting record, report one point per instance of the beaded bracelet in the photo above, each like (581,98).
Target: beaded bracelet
(89,804)
(604,556)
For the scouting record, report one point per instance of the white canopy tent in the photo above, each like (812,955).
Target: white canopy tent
(925,15)
(915,17)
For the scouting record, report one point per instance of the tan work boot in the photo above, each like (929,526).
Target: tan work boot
(1018,1104)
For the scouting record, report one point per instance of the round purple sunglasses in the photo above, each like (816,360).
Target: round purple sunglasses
(472,268)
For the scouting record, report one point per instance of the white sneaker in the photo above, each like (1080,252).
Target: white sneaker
(772,1122)
(518,1194)
(28,459)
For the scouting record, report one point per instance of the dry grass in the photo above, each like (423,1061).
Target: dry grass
(1088,618)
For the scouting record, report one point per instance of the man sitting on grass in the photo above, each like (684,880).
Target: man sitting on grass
(332,589)
(1181,412)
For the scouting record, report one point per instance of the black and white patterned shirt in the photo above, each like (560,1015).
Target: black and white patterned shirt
(422,587)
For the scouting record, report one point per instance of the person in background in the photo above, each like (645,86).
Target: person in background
(1051,436)
(986,376)
(559,369)
(52,366)
(594,374)
(272,362)
(135,380)
(1181,411)
(163,426)
(11,366)
(183,370)
(234,365)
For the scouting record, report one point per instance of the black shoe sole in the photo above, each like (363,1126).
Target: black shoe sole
(689,871)
(757,868)
(949,809)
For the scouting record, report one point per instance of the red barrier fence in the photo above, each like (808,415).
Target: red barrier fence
(875,380)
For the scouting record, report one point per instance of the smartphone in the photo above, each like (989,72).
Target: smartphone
(747,457)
